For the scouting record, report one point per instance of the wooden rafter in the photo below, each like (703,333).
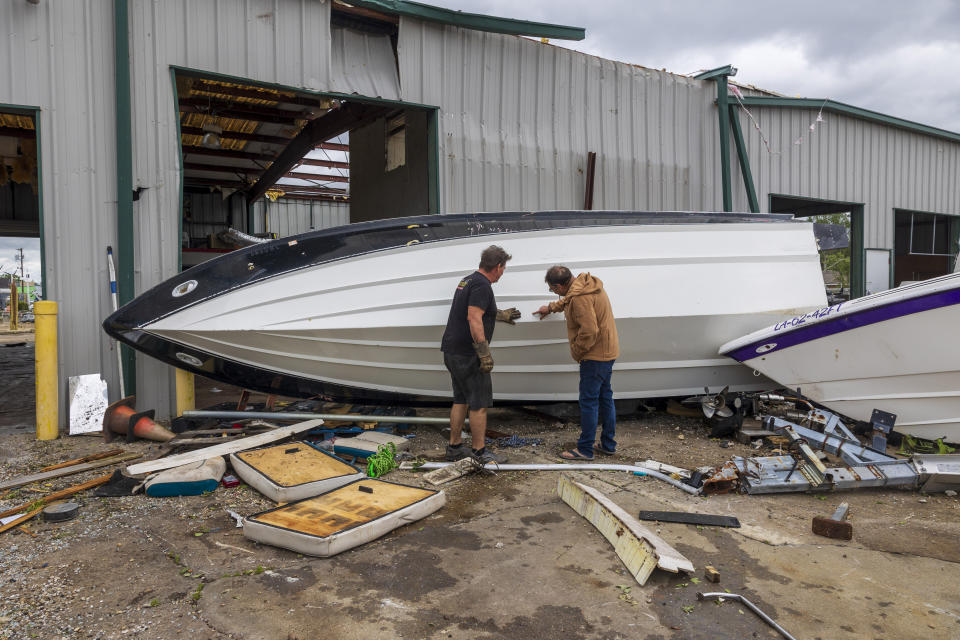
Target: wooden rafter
(334,123)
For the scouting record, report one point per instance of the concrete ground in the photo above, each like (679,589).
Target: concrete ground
(505,558)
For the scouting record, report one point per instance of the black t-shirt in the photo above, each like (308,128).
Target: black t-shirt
(473,291)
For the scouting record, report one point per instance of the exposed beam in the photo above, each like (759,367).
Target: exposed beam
(333,146)
(237,135)
(239,184)
(325,163)
(191,150)
(234,169)
(316,176)
(334,123)
(256,94)
(243,110)
(365,13)
(17,132)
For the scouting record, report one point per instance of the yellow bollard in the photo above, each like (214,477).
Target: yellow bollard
(45,360)
(185,392)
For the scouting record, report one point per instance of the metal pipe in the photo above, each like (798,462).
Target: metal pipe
(751,606)
(576,466)
(298,417)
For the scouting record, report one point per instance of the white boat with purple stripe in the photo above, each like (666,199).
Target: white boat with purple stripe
(893,351)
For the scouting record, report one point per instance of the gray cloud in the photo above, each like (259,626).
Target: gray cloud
(890,56)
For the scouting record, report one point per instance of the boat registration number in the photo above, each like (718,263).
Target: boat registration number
(813,315)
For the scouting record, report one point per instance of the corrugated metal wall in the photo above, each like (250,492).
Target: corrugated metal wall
(850,160)
(59,56)
(518,118)
(288,217)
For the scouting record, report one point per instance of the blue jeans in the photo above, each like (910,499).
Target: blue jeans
(596,406)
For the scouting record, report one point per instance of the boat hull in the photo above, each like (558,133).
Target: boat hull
(366,327)
(884,351)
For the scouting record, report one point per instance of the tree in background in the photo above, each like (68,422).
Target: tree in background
(836,261)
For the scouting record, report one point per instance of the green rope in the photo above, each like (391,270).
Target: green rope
(383,461)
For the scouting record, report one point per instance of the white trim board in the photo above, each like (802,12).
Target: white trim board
(223,449)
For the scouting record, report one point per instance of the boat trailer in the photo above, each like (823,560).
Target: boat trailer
(803,470)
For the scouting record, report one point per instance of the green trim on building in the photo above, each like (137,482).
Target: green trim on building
(475,21)
(433,161)
(126,282)
(719,75)
(744,160)
(849,110)
(728,70)
(176,109)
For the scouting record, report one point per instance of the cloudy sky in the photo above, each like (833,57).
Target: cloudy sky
(891,56)
(9,256)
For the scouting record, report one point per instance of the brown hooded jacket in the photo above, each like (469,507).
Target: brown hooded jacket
(590,323)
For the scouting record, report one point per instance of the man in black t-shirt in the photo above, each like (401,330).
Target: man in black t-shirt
(466,353)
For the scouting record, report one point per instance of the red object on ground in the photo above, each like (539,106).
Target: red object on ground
(230,481)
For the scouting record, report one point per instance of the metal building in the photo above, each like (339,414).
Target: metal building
(131,111)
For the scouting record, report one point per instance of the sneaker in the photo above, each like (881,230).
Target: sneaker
(484,456)
(458,452)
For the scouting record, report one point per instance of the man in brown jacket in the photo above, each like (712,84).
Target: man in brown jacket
(595,345)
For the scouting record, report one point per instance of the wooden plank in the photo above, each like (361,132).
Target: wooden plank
(289,465)
(20,520)
(63,493)
(223,449)
(640,549)
(683,517)
(90,458)
(343,508)
(57,473)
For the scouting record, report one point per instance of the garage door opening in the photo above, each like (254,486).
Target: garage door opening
(21,265)
(262,162)
(925,245)
(839,230)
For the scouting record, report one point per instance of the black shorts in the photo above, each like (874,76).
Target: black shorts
(470,385)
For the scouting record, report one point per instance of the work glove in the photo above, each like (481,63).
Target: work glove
(508,315)
(483,352)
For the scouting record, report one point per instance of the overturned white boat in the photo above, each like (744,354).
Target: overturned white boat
(356,313)
(892,351)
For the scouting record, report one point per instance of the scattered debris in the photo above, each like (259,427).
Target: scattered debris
(836,526)
(735,596)
(236,516)
(60,511)
(513,441)
(88,403)
(292,471)
(343,518)
(690,518)
(56,495)
(458,469)
(122,418)
(366,444)
(711,574)
(90,458)
(66,471)
(18,520)
(747,436)
(383,461)
(191,479)
(118,486)
(640,549)
(223,449)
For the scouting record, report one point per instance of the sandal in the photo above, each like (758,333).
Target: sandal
(573,454)
(606,452)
